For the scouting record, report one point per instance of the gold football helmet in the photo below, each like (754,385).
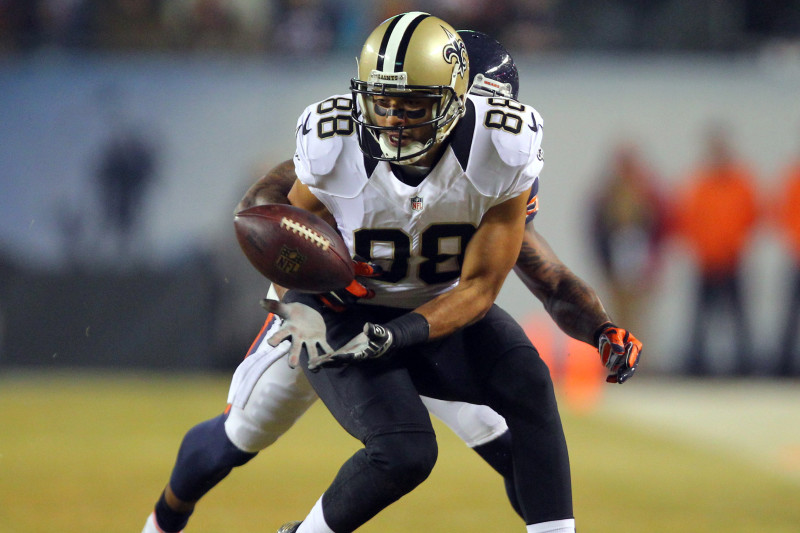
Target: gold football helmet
(411,55)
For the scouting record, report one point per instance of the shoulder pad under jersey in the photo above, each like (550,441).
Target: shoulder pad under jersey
(503,155)
(327,155)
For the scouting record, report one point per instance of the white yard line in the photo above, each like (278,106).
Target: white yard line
(758,421)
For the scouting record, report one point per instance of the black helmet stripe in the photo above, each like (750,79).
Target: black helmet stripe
(385,42)
(392,54)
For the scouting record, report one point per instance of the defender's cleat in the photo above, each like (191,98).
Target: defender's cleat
(290,527)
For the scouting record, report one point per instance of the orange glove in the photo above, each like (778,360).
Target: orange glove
(341,299)
(619,350)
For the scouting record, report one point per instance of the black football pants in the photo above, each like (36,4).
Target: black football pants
(491,362)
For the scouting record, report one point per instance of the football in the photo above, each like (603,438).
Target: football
(294,248)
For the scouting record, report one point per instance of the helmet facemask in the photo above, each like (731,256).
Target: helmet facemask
(445,110)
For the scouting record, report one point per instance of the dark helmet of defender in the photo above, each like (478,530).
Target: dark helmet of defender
(491,68)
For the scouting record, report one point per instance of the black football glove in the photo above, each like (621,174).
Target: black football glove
(619,350)
(341,299)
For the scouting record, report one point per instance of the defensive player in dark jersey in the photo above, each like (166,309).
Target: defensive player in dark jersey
(431,184)
(267,396)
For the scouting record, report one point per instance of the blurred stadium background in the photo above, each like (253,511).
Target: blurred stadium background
(129,130)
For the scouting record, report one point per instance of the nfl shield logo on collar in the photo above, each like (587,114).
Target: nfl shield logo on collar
(416,203)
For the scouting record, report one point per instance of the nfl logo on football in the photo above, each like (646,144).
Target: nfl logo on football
(416,203)
(289,260)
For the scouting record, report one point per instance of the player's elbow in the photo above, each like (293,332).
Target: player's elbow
(248,200)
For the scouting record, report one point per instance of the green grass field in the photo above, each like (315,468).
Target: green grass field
(90,452)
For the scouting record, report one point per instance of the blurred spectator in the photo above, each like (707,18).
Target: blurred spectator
(255,18)
(775,19)
(125,168)
(716,215)
(218,24)
(21,24)
(603,26)
(356,18)
(534,25)
(491,18)
(104,24)
(788,218)
(129,24)
(195,24)
(390,8)
(526,25)
(71,22)
(308,27)
(627,226)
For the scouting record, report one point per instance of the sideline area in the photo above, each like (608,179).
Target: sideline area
(757,421)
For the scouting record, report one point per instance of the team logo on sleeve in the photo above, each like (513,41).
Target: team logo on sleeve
(306,129)
(455,52)
(416,203)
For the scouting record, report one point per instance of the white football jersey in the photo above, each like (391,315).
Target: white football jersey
(418,235)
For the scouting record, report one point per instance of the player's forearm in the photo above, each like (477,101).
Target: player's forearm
(281,291)
(576,309)
(272,188)
(465,304)
(573,305)
(488,259)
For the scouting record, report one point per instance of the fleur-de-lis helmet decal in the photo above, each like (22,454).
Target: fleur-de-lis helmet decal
(456,52)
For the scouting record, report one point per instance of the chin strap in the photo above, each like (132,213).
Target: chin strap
(391,152)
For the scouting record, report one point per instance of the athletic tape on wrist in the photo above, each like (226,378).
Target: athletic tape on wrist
(411,328)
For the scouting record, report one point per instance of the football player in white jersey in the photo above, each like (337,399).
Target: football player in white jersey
(431,185)
(267,396)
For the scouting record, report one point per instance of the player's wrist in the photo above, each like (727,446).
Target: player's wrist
(411,328)
(600,330)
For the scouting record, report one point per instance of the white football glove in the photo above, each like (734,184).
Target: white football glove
(303,326)
(375,341)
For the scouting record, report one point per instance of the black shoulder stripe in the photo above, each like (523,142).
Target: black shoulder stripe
(461,138)
(370,165)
